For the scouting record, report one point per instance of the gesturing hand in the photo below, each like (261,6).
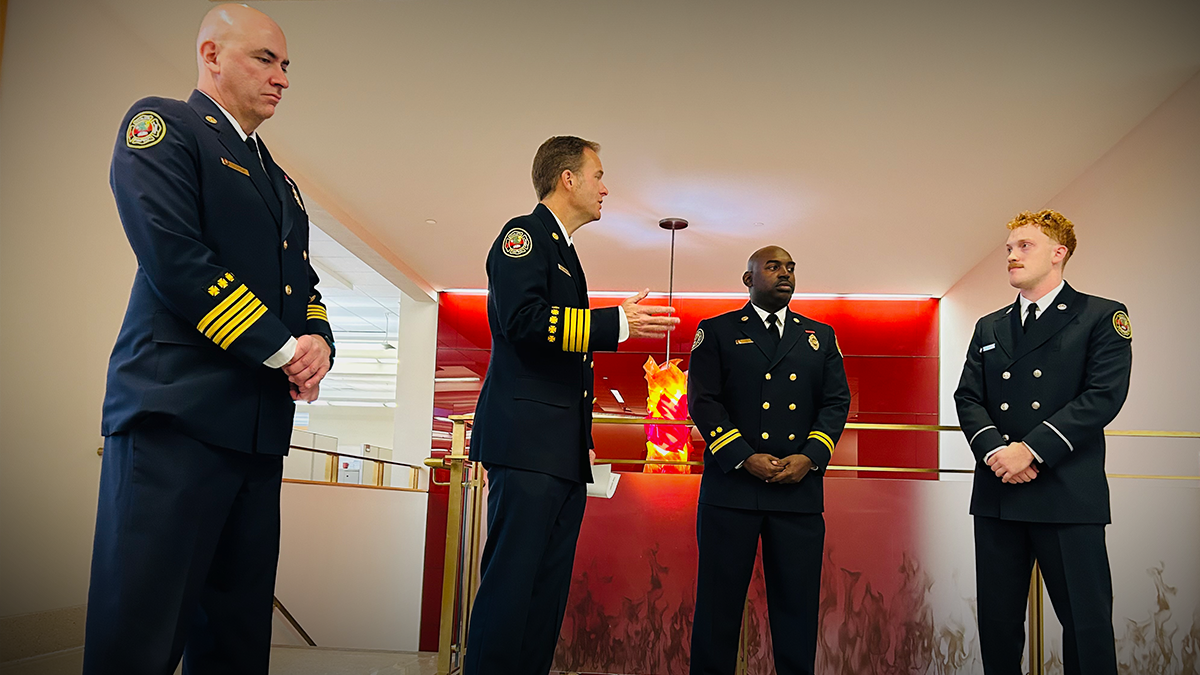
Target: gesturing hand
(310,362)
(647,321)
(793,469)
(762,465)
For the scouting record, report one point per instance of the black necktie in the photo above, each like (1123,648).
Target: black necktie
(1030,316)
(253,148)
(773,336)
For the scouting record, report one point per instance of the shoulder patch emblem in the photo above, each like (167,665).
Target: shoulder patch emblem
(698,339)
(1121,323)
(517,243)
(145,129)
(812,340)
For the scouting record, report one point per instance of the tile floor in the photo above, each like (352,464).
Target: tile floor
(284,661)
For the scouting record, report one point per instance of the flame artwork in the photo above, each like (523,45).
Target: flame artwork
(668,400)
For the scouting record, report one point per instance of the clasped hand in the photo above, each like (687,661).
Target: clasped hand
(647,321)
(307,367)
(769,468)
(1014,464)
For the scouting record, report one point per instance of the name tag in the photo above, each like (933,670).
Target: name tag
(744,341)
(240,169)
(564,270)
(987,348)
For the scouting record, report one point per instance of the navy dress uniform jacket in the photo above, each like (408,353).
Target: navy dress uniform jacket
(1055,388)
(535,407)
(746,398)
(223,279)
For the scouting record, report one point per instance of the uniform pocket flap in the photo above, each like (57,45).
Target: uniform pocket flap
(170,330)
(550,393)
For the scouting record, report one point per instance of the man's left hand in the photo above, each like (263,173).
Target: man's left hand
(795,468)
(310,362)
(1010,462)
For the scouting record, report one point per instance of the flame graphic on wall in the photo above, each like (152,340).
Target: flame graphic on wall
(1150,647)
(667,400)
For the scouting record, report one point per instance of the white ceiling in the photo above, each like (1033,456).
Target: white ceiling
(883,143)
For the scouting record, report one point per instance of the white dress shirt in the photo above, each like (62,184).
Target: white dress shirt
(779,317)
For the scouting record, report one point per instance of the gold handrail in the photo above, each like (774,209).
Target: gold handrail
(331,471)
(460,575)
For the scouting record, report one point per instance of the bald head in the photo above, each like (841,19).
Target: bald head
(241,56)
(770,276)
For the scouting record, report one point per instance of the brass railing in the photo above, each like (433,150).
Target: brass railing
(460,575)
(377,476)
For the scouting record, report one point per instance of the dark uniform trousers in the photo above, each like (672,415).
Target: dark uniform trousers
(187,528)
(748,393)
(532,433)
(1054,385)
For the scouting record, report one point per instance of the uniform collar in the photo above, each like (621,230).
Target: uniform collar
(233,120)
(566,235)
(763,314)
(1043,302)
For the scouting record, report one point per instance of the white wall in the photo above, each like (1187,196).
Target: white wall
(65,274)
(1137,217)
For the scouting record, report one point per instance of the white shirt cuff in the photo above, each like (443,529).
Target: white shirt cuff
(623,335)
(1035,455)
(284,356)
(989,455)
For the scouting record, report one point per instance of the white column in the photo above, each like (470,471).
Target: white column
(416,352)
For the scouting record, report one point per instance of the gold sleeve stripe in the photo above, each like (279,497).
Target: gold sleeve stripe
(572,330)
(221,307)
(318,312)
(565,337)
(725,440)
(253,306)
(824,438)
(262,309)
(223,320)
(587,329)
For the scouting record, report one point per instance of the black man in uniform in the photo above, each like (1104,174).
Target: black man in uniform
(767,389)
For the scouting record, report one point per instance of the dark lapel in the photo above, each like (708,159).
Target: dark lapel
(286,193)
(754,328)
(792,332)
(567,254)
(1006,329)
(228,136)
(1051,321)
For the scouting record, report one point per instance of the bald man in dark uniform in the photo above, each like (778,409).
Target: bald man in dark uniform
(767,389)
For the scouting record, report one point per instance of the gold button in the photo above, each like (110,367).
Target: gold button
(791,437)
(304,254)
(792,377)
(745,318)
(593,365)
(1037,373)
(585,358)
(1035,405)
(792,406)
(719,430)
(585,393)
(713,434)
(766,435)
(210,119)
(766,405)
(768,376)
(555,235)
(287,289)
(285,245)
(1004,406)
(1006,374)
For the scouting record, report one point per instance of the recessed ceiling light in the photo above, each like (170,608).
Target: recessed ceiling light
(430,221)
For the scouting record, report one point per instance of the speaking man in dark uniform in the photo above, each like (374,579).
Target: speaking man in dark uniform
(224,329)
(533,423)
(767,389)
(1043,377)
